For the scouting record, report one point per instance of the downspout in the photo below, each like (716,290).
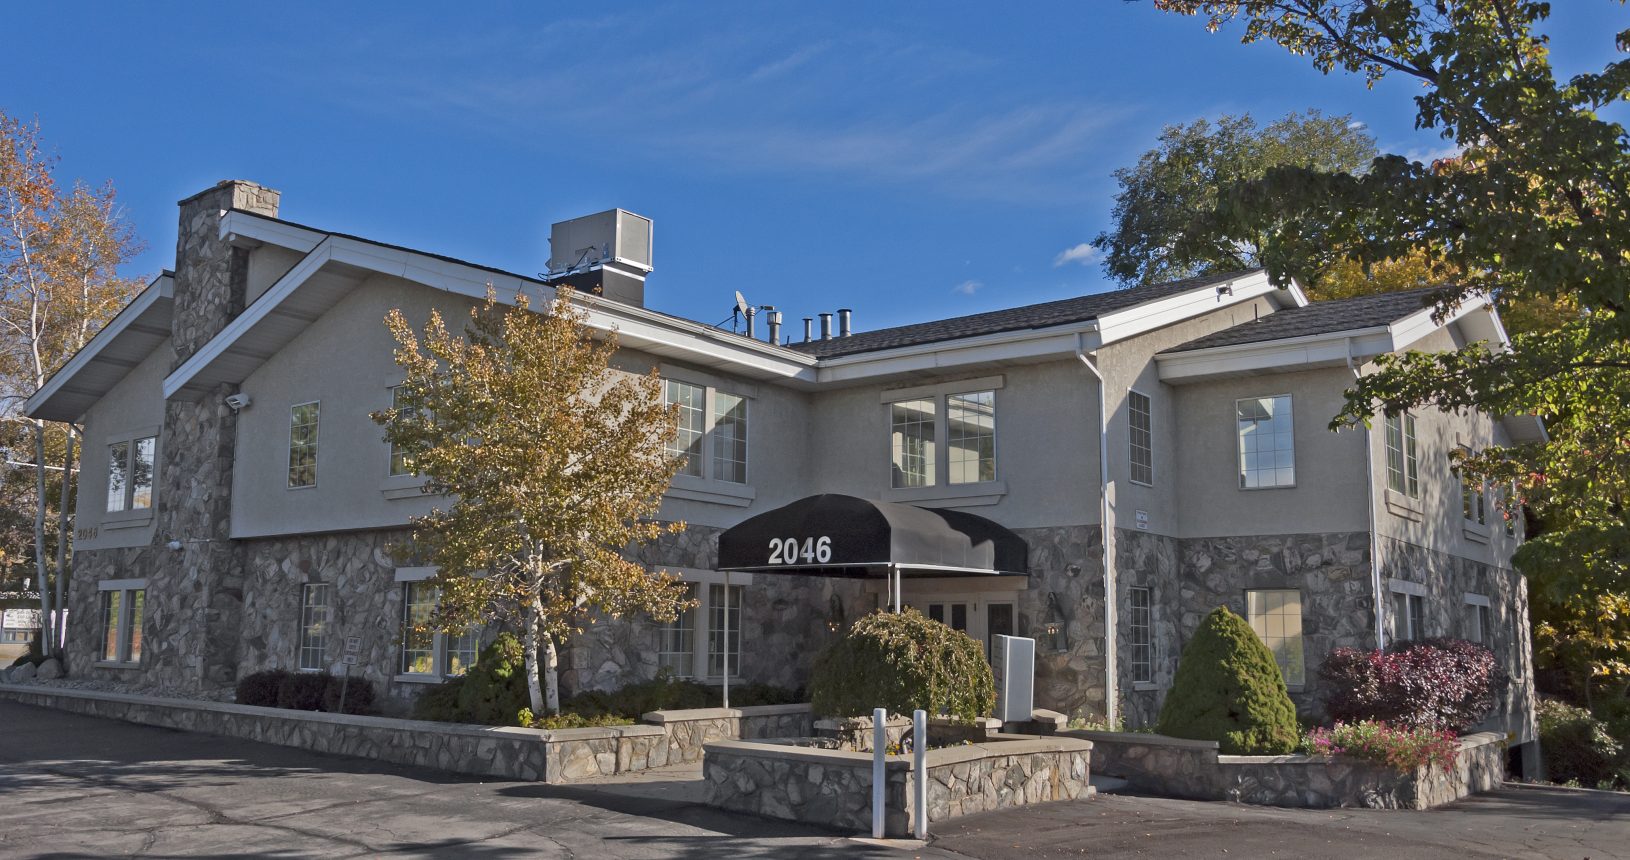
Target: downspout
(1106,524)
(1375,539)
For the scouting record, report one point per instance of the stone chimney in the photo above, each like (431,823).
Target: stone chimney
(195,594)
(210,275)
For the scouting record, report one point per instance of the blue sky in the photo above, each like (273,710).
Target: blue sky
(912,161)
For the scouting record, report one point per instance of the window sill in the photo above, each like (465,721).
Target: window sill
(110,664)
(1144,687)
(128,522)
(1404,506)
(954,495)
(1475,532)
(696,489)
(422,679)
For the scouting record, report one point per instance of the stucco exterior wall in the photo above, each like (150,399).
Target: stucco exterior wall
(134,408)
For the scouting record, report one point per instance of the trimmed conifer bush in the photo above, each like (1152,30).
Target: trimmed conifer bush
(902,661)
(1228,689)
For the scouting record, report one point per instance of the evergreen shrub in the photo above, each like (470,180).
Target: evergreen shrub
(305,691)
(1577,747)
(1444,685)
(260,688)
(902,661)
(1228,689)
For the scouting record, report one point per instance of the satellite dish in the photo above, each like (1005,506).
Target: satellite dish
(741,302)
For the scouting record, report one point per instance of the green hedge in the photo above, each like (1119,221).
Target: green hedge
(1578,747)
(1228,689)
(306,691)
(902,661)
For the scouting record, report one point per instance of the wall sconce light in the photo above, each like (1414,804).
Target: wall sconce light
(834,614)
(1056,625)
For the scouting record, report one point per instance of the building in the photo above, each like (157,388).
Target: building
(237,503)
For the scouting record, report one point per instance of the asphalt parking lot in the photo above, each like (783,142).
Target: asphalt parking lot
(73,786)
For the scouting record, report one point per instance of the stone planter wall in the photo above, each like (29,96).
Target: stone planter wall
(556,756)
(833,788)
(1175,767)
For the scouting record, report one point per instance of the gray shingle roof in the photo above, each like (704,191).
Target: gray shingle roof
(1318,318)
(1061,312)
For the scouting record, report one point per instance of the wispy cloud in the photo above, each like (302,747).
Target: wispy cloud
(746,98)
(968,288)
(1083,253)
(1430,154)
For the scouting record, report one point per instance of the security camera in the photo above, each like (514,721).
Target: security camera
(237,401)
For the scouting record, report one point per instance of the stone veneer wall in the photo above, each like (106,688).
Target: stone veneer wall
(1069,680)
(1176,767)
(1448,579)
(834,788)
(556,756)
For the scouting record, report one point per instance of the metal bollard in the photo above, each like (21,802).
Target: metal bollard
(919,769)
(880,748)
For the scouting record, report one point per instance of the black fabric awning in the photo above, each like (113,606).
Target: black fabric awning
(837,535)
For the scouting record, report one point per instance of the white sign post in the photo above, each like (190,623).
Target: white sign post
(880,748)
(1014,665)
(919,769)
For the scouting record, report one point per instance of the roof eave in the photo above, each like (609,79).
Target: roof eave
(1327,349)
(135,331)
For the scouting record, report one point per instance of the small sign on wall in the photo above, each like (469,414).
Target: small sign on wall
(349,659)
(1143,520)
(353,644)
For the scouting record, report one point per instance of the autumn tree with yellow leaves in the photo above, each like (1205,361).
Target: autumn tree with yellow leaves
(553,464)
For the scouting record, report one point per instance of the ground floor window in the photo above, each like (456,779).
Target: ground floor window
(314,612)
(123,605)
(428,653)
(1140,631)
(1477,624)
(692,645)
(1408,610)
(1276,616)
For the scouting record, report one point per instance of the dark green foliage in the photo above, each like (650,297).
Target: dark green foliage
(1577,746)
(260,688)
(494,690)
(569,720)
(1228,689)
(494,694)
(902,661)
(305,691)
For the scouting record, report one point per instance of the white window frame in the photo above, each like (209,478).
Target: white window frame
(308,645)
(702,626)
(1407,453)
(440,650)
(1142,670)
(1132,432)
(939,484)
(316,445)
(1239,443)
(710,424)
(1414,596)
(1260,625)
(124,635)
(1480,611)
(1473,508)
(130,439)
(392,452)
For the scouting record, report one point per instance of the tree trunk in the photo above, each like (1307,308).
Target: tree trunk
(62,542)
(529,620)
(551,674)
(47,622)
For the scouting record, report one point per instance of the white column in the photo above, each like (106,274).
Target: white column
(880,744)
(726,639)
(919,769)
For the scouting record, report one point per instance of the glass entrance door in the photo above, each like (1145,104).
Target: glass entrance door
(984,620)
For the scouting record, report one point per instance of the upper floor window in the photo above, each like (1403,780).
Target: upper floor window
(1267,442)
(303,444)
(401,464)
(916,435)
(130,474)
(708,413)
(1511,510)
(1139,430)
(1403,460)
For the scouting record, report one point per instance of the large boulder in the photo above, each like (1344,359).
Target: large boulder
(24,672)
(50,670)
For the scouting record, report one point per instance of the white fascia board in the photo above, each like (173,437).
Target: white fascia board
(1148,316)
(1525,428)
(153,304)
(1417,325)
(219,347)
(1027,344)
(1274,355)
(236,226)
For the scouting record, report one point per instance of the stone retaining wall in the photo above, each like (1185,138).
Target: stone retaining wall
(833,788)
(1176,767)
(556,756)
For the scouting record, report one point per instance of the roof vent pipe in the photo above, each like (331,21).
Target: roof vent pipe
(752,314)
(774,318)
(826,326)
(808,321)
(844,315)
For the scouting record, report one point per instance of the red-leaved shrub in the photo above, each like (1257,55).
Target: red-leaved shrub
(1435,684)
